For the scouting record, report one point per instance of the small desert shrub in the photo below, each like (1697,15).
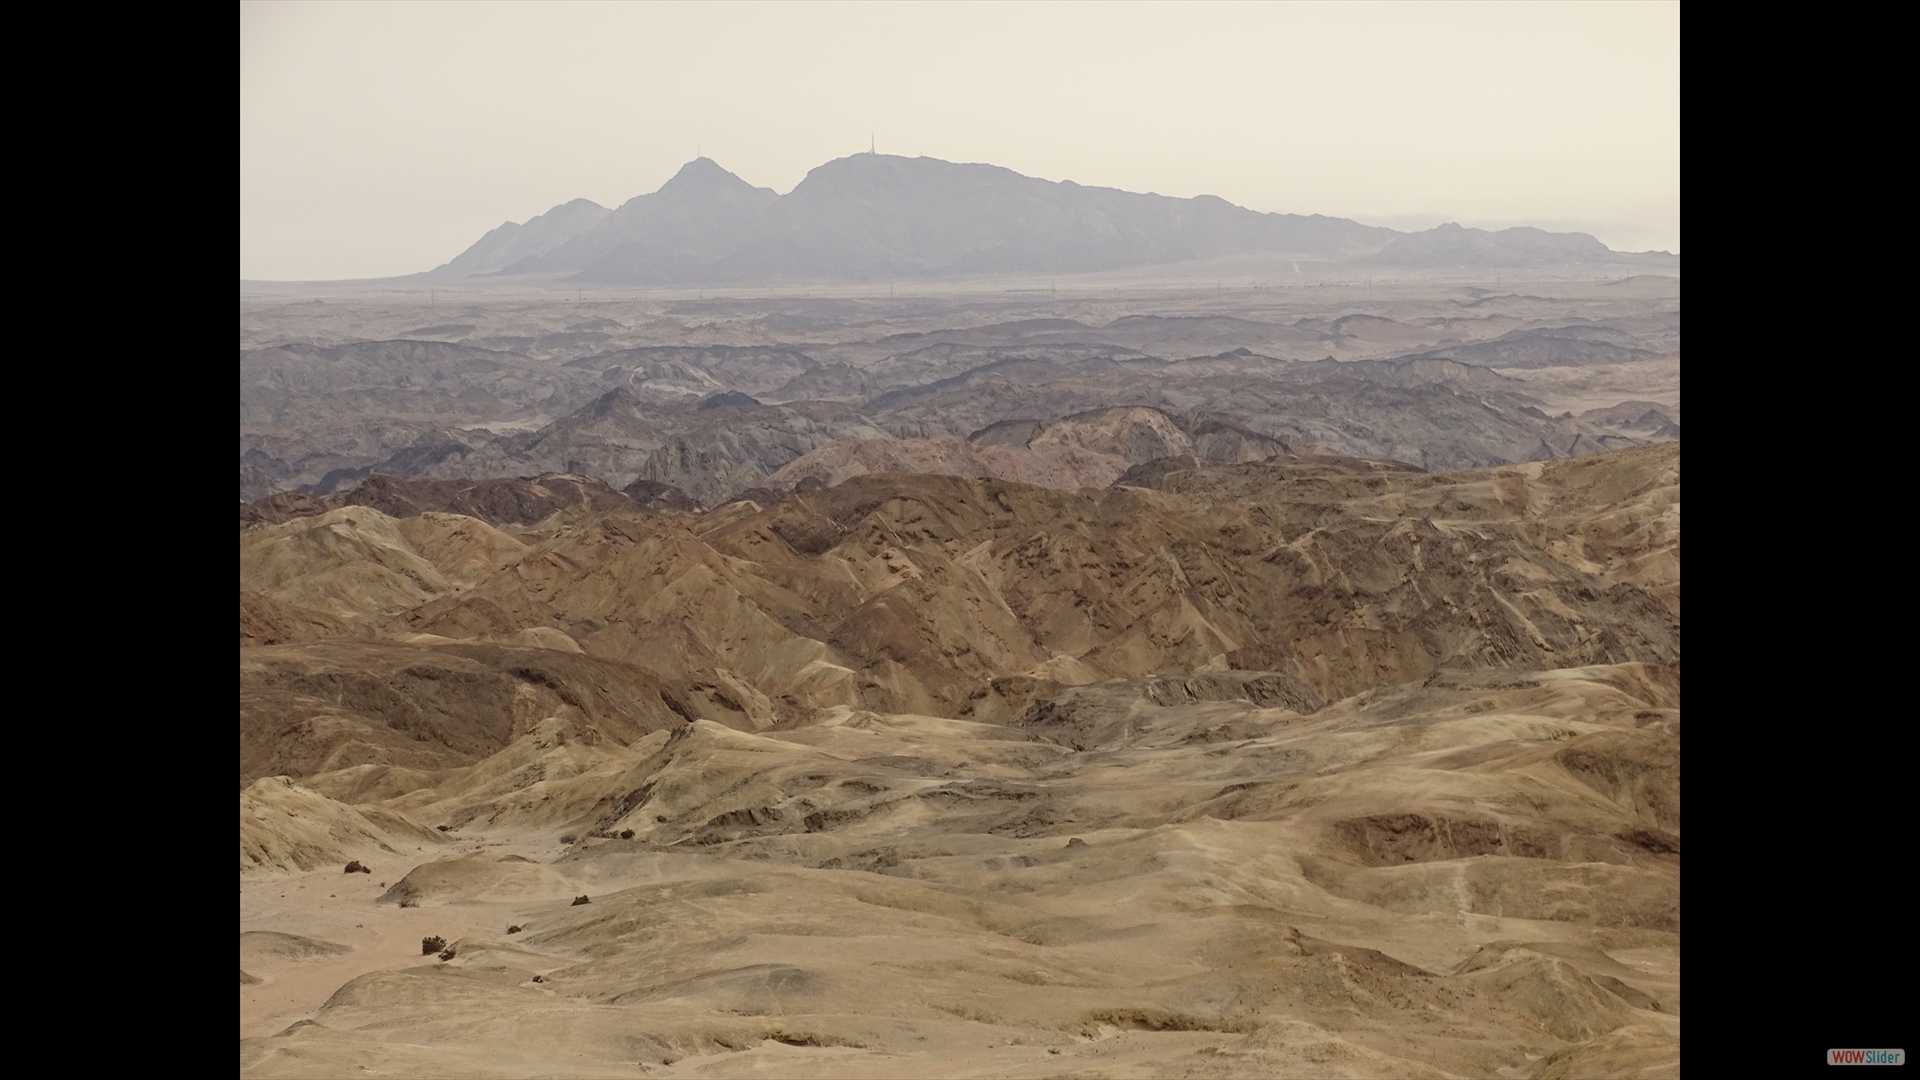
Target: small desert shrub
(431,945)
(539,978)
(626,834)
(444,828)
(569,838)
(409,902)
(578,900)
(515,929)
(354,867)
(448,955)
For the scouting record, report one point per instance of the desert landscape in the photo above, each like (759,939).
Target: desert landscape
(1262,663)
(1033,540)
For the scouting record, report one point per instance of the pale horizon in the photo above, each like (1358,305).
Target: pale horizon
(380,141)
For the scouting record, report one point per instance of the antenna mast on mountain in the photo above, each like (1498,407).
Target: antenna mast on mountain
(873,143)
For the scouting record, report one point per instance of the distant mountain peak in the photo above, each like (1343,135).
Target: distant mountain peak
(873,217)
(619,397)
(703,175)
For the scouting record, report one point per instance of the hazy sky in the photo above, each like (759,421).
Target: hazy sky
(382,139)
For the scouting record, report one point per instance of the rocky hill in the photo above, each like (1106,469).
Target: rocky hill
(1304,764)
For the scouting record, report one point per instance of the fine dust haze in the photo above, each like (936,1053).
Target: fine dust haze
(380,140)
(998,540)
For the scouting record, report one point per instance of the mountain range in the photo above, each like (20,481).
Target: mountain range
(879,217)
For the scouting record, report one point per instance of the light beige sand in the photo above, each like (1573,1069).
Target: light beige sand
(918,776)
(1598,386)
(1416,882)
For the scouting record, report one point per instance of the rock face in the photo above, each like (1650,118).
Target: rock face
(1090,449)
(716,397)
(1300,764)
(519,501)
(967,597)
(1437,413)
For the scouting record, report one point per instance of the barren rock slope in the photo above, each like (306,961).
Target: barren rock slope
(1305,766)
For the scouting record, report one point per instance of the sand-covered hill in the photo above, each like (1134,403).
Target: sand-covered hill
(970,597)
(1458,878)
(1305,765)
